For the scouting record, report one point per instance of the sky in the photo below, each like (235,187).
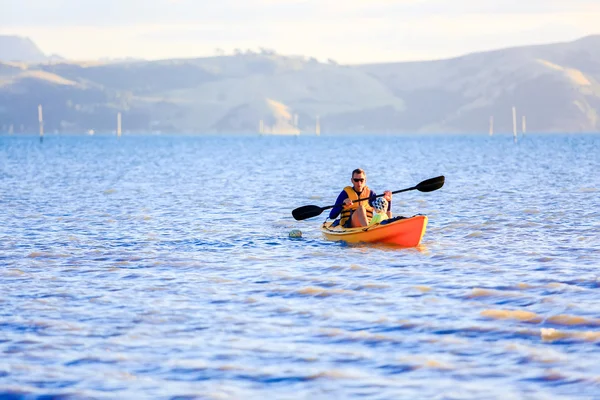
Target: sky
(347,31)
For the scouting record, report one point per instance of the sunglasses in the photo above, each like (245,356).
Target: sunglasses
(358,179)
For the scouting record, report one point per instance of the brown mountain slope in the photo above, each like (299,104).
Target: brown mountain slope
(556,86)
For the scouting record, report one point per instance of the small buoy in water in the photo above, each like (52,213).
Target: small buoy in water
(295,233)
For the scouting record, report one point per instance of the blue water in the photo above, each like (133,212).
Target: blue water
(159,266)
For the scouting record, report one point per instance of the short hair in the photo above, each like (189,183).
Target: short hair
(359,171)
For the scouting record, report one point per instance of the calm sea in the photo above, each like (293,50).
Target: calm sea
(161,267)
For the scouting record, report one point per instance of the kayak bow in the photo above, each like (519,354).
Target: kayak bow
(405,232)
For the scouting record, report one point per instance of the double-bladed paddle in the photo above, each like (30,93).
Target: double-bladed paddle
(428,185)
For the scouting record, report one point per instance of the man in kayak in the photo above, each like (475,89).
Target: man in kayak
(355,214)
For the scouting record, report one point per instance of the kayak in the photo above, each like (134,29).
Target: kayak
(401,231)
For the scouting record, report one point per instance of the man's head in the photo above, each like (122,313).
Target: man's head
(359,179)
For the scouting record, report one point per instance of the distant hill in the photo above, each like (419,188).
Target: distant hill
(556,86)
(16,48)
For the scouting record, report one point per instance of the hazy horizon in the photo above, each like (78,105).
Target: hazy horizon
(349,32)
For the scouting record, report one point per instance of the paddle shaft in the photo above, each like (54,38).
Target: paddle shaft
(310,211)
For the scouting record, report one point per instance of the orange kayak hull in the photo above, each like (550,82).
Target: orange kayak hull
(406,232)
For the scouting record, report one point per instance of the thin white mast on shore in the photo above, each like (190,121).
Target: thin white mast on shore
(261,127)
(492,125)
(41,121)
(524,125)
(514,112)
(318,127)
(119,124)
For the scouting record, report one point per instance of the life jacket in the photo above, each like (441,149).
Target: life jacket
(366,193)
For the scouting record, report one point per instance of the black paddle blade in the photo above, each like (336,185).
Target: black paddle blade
(305,212)
(432,184)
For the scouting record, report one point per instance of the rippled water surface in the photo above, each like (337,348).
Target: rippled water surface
(157,267)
